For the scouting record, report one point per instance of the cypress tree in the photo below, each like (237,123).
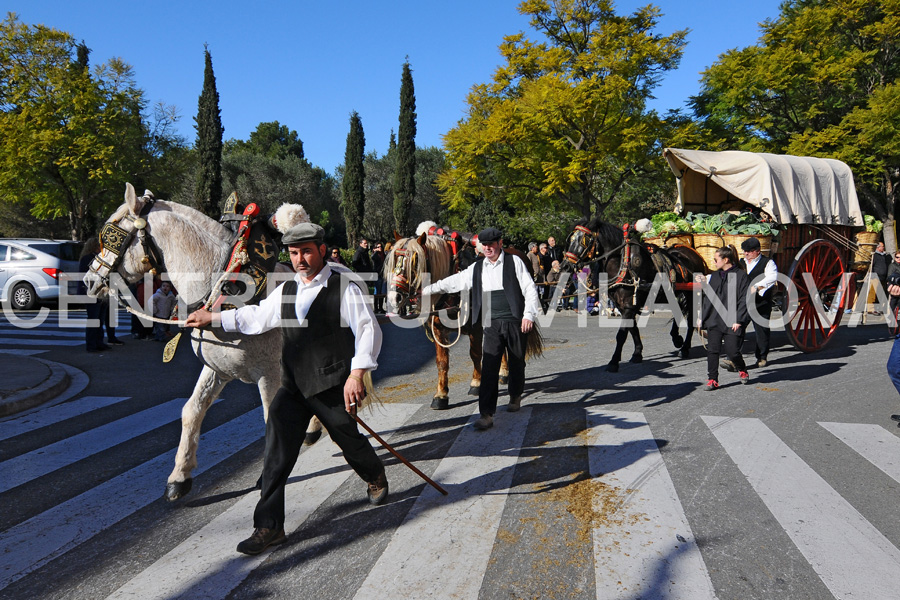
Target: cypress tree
(353,196)
(405,170)
(208,124)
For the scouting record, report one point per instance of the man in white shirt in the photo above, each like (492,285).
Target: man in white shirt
(763,275)
(505,301)
(330,339)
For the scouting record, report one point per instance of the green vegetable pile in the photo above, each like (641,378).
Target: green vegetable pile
(872,224)
(667,223)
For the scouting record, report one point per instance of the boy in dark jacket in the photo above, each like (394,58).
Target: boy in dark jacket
(725,323)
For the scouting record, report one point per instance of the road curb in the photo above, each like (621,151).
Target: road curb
(58,381)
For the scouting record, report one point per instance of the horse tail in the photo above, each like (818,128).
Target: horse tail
(534,342)
(371,397)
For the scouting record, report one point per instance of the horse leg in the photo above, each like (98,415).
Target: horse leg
(638,355)
(441,400)
(621,336)
(206,390)
(504,370)
(475,353)
(676,336)
(686,346)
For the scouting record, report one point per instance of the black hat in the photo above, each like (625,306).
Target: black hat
(750,244)
(491,234)
(304,232)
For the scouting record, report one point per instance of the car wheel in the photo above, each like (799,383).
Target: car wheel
(23,297)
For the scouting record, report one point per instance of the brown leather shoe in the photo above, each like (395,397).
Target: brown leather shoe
(261,539)
(378,490)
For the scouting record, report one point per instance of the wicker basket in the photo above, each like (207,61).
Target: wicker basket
(653,240)
(765,242)
(706,245)
(866,242)
(683,239)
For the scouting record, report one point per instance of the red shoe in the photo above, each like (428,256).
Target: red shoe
(711,385)
(745,377)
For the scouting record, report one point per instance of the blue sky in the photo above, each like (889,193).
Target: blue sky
(308,65)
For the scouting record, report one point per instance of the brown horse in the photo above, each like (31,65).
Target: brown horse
(404,270)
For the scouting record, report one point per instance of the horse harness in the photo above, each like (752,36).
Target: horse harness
(116,240)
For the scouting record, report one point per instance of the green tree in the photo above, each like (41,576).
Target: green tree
(271,139)
(563,127)
(69,138)
(821,82)
(208,123)
(353,196)
(405,173)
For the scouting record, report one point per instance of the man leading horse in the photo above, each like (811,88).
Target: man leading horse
(505,301)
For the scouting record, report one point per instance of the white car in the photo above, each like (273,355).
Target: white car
(30,270)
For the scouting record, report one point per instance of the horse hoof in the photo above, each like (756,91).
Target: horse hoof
(178,489)
(612,368)
(312,437)
(678,341)
(685,353)
(474,390)
(438,403)
(504,379)
(637,358)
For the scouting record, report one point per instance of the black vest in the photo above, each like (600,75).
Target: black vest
(758,271)
(316,357)
(514,296)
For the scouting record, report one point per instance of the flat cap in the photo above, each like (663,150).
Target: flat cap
(491,234)
(303,232)
(750,244)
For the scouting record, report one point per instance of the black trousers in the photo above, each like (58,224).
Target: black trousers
(763,334)
(289,416)
(731,340)
(499,337)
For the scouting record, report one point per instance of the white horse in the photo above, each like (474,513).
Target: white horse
(193,249)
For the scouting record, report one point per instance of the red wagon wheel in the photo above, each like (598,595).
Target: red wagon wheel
(820,305)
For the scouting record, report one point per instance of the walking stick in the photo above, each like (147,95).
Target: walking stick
(397,454)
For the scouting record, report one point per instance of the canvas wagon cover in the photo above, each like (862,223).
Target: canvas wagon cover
(792,189)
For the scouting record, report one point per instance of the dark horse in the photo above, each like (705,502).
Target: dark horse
(631,268)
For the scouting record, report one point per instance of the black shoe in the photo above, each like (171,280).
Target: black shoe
(261,539)
(115,342)
(378,490)
(514,404)
(99,348)
(895,418)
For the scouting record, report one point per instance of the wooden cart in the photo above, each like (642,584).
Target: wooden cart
(815,204)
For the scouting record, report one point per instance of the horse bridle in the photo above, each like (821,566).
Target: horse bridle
(116,240)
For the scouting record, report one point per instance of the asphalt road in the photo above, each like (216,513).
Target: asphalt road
(636,484)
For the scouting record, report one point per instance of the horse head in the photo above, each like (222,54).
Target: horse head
(120,251)
(146,236)
(406,265)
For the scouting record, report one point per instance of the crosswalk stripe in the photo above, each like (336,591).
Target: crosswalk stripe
(21,469)
(55,414)
(646,519)
(31,544)
(41,332)
(206,566)
(39,342)
(872,442)
(443,547)
(847,552)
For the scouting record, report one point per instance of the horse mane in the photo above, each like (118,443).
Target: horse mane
(610,235)
(438,259)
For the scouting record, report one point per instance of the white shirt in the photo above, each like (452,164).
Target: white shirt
(491,281)
(768,278)
(355,311)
